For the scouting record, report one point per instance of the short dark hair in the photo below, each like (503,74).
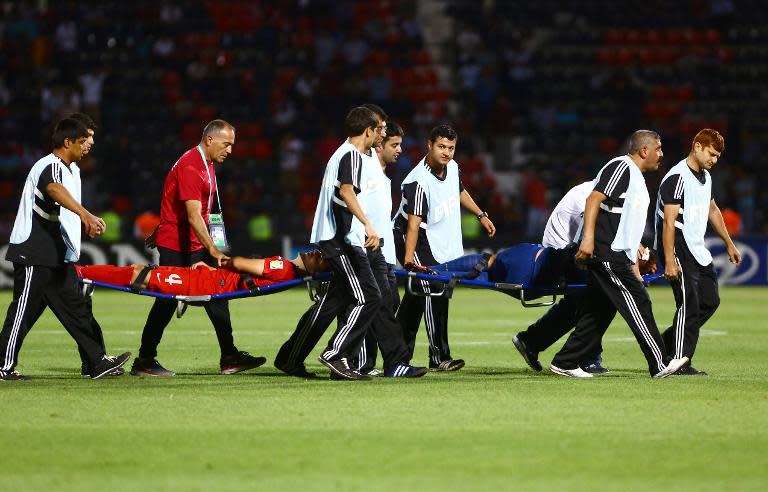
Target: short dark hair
(640,139)
(358,120)
(216,126)
(442,131)
(376,110)
(86,120)
(67,128)
(393,130)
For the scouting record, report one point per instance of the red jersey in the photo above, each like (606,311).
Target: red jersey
(185,281)
(202,281)
(189,179)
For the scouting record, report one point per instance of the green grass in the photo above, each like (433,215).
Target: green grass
(494,425)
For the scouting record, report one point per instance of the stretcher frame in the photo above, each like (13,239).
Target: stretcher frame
(183,301)
(528,292)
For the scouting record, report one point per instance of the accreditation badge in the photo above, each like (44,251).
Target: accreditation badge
(217,231)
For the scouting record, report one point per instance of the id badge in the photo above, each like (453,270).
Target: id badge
(217,231)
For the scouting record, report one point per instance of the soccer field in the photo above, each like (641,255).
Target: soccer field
(495,425)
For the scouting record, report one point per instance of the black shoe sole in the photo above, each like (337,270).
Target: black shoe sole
(122,359)
(351,376)
(454,367)
(523,349)
(258,363)
(21,378)
(418,373)
(296,372)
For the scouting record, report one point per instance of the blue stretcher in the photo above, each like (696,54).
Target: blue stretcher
(184,301)
(529,272)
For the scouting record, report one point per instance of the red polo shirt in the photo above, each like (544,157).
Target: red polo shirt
(187,180)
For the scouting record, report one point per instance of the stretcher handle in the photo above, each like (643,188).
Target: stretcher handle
(526,303)
(312,288)
(411,291)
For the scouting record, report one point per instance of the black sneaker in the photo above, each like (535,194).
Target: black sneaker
(531,358)
(298,371)
(13,376)
(341,369)
(85,373)
(239,362)
(447,365)
(108,364)
(150,367)
(406,371)
(595,368)
(690,371)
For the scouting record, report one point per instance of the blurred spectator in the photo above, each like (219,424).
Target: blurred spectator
(732,221)
(559,87)
(536,200)
(144,224)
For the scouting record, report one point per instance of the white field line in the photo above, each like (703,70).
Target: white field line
(496,336)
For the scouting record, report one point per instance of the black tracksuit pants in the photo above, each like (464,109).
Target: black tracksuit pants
(696,297)
(365,361)
(332,302)
(34,286)
(162,310)
(355,298)
(384,331)
(612,287)
(556,322)
(434,310)
(96,330)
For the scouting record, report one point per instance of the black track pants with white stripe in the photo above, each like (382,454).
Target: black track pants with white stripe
(312,325)
(696,299)
(384,330)
(613,287)
(50,300)
(355,279)
(390,297)
(433,309)
(555,323)
(33,286)
(332,299)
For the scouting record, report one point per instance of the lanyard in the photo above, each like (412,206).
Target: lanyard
(210,182)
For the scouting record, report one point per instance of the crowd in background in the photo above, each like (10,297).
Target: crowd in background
(541,94)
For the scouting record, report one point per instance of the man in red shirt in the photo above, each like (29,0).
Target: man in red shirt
(182,239)
(201,279)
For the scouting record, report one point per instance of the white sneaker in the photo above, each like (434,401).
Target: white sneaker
(375,372)
(673,366)
(571,373)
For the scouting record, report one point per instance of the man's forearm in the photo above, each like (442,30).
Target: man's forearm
(411,237)
(591,209)
(668,241)
(197,224)
(63,197)
(468,203)
(718,223)
(353,205)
